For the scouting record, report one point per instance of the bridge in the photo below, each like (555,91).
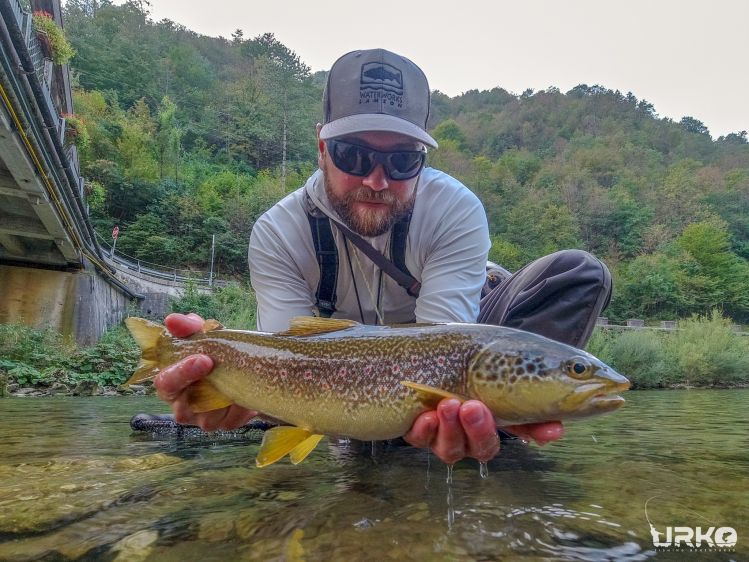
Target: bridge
(54,271)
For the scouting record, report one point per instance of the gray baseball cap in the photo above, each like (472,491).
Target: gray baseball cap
(376,90)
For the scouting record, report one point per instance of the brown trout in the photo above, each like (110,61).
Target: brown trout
(342,378)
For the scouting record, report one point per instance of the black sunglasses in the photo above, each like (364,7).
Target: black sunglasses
(361,160)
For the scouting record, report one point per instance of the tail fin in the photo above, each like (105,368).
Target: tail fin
(146,334)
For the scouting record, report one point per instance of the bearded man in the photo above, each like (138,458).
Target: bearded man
(372,183)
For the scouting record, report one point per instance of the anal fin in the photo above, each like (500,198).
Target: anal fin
(430,396)
(203,397)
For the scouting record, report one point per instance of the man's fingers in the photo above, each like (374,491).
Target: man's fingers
(175,378)
(183,325)
(480,431)
(449,444)
(423,431)
(541,433)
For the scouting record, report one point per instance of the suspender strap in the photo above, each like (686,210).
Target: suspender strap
(405,280)
(327,259)
(398,251)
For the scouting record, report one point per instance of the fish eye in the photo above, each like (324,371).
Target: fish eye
(578,368)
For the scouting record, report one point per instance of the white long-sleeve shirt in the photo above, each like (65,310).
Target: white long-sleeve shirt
(446,251)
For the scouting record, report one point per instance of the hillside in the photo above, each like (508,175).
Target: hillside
(184,136)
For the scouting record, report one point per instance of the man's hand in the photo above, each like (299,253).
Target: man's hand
(172,381)
(454,431)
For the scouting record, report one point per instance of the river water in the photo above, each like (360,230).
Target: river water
(77,484)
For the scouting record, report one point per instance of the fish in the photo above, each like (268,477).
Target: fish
(341,378)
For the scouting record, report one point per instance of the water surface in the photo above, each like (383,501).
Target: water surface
(77,484)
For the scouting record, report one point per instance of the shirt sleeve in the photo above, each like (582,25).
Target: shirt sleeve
(455,266)
(280,289)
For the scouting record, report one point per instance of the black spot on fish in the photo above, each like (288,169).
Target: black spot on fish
(530,367)
(513,379)
(519,370)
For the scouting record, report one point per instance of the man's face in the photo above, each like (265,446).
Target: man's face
(369,205)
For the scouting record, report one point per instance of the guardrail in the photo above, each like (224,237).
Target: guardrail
(665,325)
(132,264)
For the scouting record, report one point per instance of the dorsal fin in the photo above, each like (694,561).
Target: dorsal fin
(211,324)
(312,325)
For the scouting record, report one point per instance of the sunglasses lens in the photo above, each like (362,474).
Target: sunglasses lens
(360,160)
(404,165)
(352,159)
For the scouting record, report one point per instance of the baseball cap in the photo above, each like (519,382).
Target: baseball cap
(376,90)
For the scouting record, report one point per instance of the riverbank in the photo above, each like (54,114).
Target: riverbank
(14,390)
(703,353)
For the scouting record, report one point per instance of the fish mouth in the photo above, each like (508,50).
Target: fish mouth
(606,398)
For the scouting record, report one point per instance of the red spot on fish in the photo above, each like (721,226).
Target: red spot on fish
(308,375)
(441,360)
(396,368)
(343,371)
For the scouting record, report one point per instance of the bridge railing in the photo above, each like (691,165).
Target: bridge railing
(135,265)
(42,65)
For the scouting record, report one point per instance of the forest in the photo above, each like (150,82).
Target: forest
(184,136)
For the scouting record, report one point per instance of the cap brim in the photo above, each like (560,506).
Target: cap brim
(375,122)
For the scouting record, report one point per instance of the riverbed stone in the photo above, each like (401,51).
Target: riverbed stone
(136,547)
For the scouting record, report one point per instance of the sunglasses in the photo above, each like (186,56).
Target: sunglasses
(361,160)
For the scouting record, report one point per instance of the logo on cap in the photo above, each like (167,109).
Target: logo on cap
(381,83)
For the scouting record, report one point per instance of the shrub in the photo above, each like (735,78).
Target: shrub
(233,305)
(705,351)
(639,355)
(62,50)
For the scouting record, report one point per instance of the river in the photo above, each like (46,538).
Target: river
(77,484)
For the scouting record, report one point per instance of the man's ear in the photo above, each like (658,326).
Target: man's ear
(320,147)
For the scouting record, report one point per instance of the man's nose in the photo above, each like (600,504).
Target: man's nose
(377,179)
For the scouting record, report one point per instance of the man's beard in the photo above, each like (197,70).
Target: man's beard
(365,221)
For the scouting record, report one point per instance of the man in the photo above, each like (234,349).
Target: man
(372,183)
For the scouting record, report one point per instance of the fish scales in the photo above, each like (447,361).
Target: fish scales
(355,379)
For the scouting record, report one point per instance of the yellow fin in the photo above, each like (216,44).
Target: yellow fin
(430,396)
(211,324)
(312,325)
(300,452)
(146,334)
(203,397)
(278,442)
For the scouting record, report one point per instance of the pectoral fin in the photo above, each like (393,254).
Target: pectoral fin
(283,440)
(203,397)
(430,396)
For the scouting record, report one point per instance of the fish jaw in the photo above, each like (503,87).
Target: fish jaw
(596,398)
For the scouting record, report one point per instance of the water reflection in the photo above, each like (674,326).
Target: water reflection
(76,484)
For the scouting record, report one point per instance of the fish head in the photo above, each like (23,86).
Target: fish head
(526,378)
